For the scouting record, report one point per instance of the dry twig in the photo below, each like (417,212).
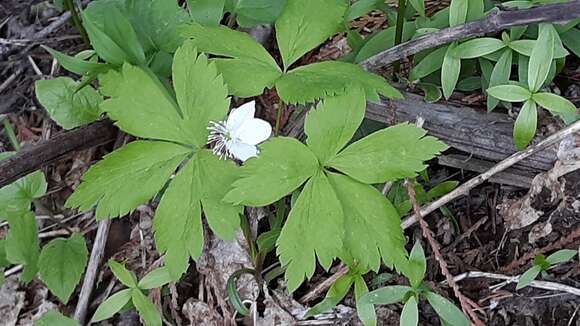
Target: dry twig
(466,304)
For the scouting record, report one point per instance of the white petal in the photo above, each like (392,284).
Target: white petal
(241,114)
(243,151)
(253,131)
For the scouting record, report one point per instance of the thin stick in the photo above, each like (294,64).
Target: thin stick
(97,254)
(320,288)
(508,162)
(466,304)
(496,21)
(514,279)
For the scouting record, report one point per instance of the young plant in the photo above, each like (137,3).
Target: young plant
(538,70)
(302,26)
(411,295)
(338,183)
(542,264)
(176,133)
(134,293)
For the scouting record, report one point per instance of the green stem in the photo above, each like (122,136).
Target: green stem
(9,130)
(399,30)
(245,225)
(69,5)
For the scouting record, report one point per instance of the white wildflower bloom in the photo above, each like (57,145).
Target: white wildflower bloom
(238,136)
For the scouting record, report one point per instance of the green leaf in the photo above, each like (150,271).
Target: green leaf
(478,47)
(410,313)
(386,295)
(255,12)
(446,310)
(526,47)
(561,256)
(177,223)
(475,10)
(178,230)
(66,104)
(112,305)
(554,103)
(450,70)
(109,83)
(62,263)
(147,310)
(389,154)
(111,34)
(76,65)
(282,166)
(500,75)
(417,266)
(332,124)
(20,194)
(335,294)
(432,92)
(155,279)
(319,80)
(542,56)
(156,22)
(458,12)
(126,277)
(3,260)
(373,225)
(571,40)
(267,241)
(305,24)
(54,318)
(147,111)
(528,277)
(127,178)
(419,5)
(526,124)
(22,243)
(206,12)
(428,65)
(314,229)
(365,311)
(244,57)
(510,93)
(200,90)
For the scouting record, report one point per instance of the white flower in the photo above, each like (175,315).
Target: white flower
(238,136)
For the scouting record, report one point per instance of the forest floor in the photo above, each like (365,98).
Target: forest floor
(485,232)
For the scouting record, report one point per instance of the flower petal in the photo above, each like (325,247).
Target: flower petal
(253,132)
(243,151)
(241,114)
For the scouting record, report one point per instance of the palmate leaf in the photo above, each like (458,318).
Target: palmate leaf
(332,124)
(314,230)
(323,79)
(67,105)
(283,165)
(61,264)
(247,69)
(389,154)
(373,224)
(203,182)
(127,178)
(305,24)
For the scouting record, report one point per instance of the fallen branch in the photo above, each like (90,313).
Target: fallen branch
(510,161)
(466,304)
(494,22)
(514,279)
(32,158)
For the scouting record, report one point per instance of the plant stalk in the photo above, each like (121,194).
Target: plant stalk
(76,19)
(399,31)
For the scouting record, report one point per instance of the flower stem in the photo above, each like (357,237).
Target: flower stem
(69,5)
(399,30)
